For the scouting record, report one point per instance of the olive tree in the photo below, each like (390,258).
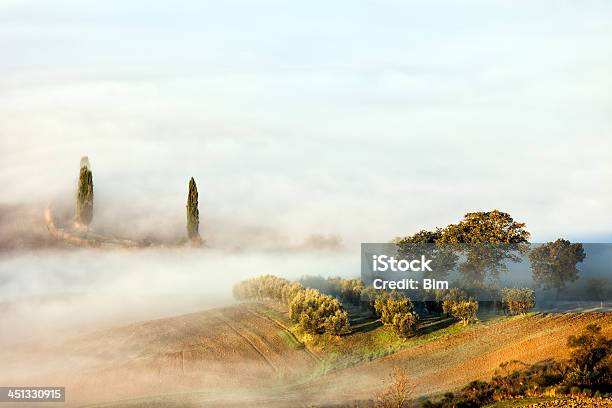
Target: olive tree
(518,300)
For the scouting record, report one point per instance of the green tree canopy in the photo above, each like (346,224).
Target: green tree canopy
(427,243)
(486,240)
(490,227)
(492,238)
(555,263)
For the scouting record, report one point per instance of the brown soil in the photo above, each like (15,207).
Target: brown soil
(236,356)
(228,348)
(476,353)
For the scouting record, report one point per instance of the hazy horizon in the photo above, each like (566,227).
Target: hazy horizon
(361,121)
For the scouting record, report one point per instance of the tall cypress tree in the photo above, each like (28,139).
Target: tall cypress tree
(85,194)
(193,214)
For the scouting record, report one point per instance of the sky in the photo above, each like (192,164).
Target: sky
(367,120)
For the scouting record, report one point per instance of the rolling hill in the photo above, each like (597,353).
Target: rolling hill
(244,356)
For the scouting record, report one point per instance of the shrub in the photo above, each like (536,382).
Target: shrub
(260,288)
(476,394)
(590,359)
(405,324)
(518,300)
(350,290)
(290,291)
(450,298)
(397,311)
(313,311)
(369,296)
(329,286)
(298,304)
(465,310)
(398,391)
(455,303)
(586,373)
(337,324)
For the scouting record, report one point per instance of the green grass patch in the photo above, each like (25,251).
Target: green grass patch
(521,402)
(290,340)
(271,312)
(362,347)
(369,340)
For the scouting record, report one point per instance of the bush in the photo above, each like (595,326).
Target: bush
(316,313)
(518,300)
(313,311)
(261,288)
(369,296)
(586,373)
(405,324)
(397,393)
(298,304)
(289,292)
(329,286)
(397,311)
(455,303)
(350,290)
(450,298)
(465,310)
(590,362)
(337,324)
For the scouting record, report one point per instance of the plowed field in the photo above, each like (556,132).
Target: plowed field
(244,356)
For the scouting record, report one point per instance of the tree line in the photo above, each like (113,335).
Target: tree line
(314,306)
(312,311)
(485,242)
(453,302)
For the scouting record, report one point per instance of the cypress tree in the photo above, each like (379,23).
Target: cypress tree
(85,195)
(193,214)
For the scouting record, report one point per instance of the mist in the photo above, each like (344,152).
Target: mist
(79,317)
(53,290)
(389,120)
(309,128)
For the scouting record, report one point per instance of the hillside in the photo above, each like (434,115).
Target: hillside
(228,357)
(230,348)
(474,353)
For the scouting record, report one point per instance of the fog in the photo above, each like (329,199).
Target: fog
(308,128)
(66,315)
(52,290)
(389,120)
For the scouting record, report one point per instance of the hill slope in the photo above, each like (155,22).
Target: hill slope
(229,348)
(475,353)
(244,355)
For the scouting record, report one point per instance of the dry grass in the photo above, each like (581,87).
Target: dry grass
(245,356)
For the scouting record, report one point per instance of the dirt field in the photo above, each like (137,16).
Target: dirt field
(243,356)
(230,348)
(476,353)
